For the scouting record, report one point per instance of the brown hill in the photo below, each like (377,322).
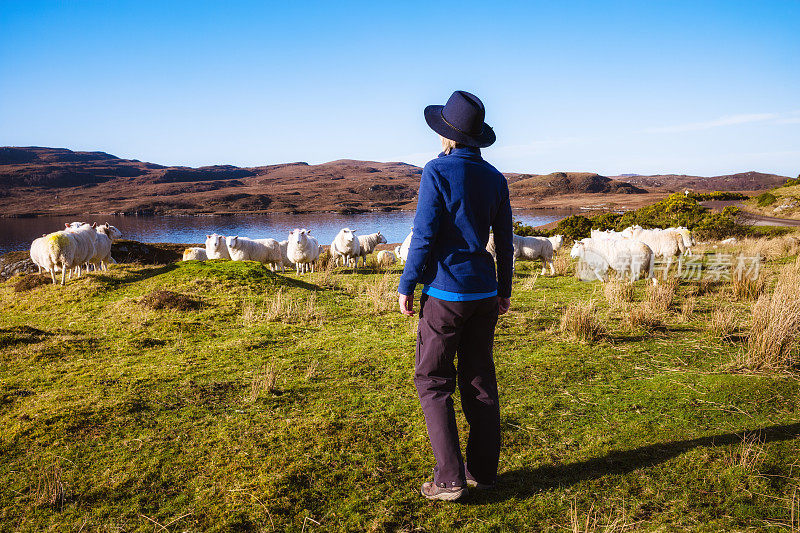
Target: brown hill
(560,183)
(743,181)
(37,180)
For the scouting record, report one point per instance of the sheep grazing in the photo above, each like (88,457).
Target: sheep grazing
(386,258)
(303,250)
(533,248)
(64,250)
(557,241)
(216,247)
(663,243)
(530,248)
(195,253)
(367,244)
(627,257)
(402,250)
(345,245)
(261,250)
(106,235)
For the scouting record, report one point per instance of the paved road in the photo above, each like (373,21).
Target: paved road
(756,219)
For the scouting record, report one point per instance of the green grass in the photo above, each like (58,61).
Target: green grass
(115,417)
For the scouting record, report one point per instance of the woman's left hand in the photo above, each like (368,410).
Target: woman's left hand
(406,304)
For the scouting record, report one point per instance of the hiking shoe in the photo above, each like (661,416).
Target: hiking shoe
(432,491)
(481,486)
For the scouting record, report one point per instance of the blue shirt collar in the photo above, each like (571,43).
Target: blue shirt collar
(469,152)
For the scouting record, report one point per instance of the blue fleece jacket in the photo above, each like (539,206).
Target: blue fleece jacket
(460,197)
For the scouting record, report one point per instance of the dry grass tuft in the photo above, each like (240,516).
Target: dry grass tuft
(687,308)
(771,248)
(749,454)
(580,321)
(746,287)
(282,307)
(619,292)
(530,281)
(381,293)
(312,370)
(327,272)
(641,316)
(658,298)
(594,523)
(723,322)
(264,379)
(775,325)
(49,487)
(562,263)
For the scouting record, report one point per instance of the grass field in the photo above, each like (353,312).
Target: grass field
(286,403)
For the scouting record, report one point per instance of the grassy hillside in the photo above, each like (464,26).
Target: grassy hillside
(783,202)
(285,403)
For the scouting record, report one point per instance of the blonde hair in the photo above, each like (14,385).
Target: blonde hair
(448,144)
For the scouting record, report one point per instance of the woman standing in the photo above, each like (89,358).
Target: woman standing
(461,197)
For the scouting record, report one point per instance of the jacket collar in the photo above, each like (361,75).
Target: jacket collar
(467,152)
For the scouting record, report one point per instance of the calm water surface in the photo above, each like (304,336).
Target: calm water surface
(17,233)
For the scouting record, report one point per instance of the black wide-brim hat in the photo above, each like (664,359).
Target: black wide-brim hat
(461,119)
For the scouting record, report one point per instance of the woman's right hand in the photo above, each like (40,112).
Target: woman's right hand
(503,304)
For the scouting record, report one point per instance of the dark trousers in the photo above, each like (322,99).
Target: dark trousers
(467,329)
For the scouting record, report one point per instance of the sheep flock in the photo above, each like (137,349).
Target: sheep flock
(631,253)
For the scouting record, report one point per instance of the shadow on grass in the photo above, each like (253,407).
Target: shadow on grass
(132,277)
(526,482)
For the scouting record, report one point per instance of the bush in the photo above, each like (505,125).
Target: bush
(765,198)
(719,195)
(574,227)
(529,231)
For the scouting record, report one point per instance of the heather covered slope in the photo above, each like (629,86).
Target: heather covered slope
(57,181)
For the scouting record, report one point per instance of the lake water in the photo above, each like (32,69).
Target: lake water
(17,233)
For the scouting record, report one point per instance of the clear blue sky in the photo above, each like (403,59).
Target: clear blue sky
(613,87)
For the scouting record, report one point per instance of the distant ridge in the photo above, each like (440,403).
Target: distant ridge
(48,181)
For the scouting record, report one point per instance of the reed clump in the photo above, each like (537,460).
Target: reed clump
(580,321)
(775,326)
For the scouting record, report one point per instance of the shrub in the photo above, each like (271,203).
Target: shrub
(574,227)
(765,198)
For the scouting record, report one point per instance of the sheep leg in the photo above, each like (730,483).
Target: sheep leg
(53,275)
(552,267)
(63,274)
(40,269)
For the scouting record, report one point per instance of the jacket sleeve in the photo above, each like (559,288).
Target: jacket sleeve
(426,225)
(504,243)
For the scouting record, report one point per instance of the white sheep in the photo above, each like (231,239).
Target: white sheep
(557,241)
(729,240)
(345,245)
(106,235)
(194,253)
(85,240)
(367,243)
(386,258)
(531,248)
(63,250)
(216,248)
(627,257)
(303,250)
(261,250)
(402,250)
